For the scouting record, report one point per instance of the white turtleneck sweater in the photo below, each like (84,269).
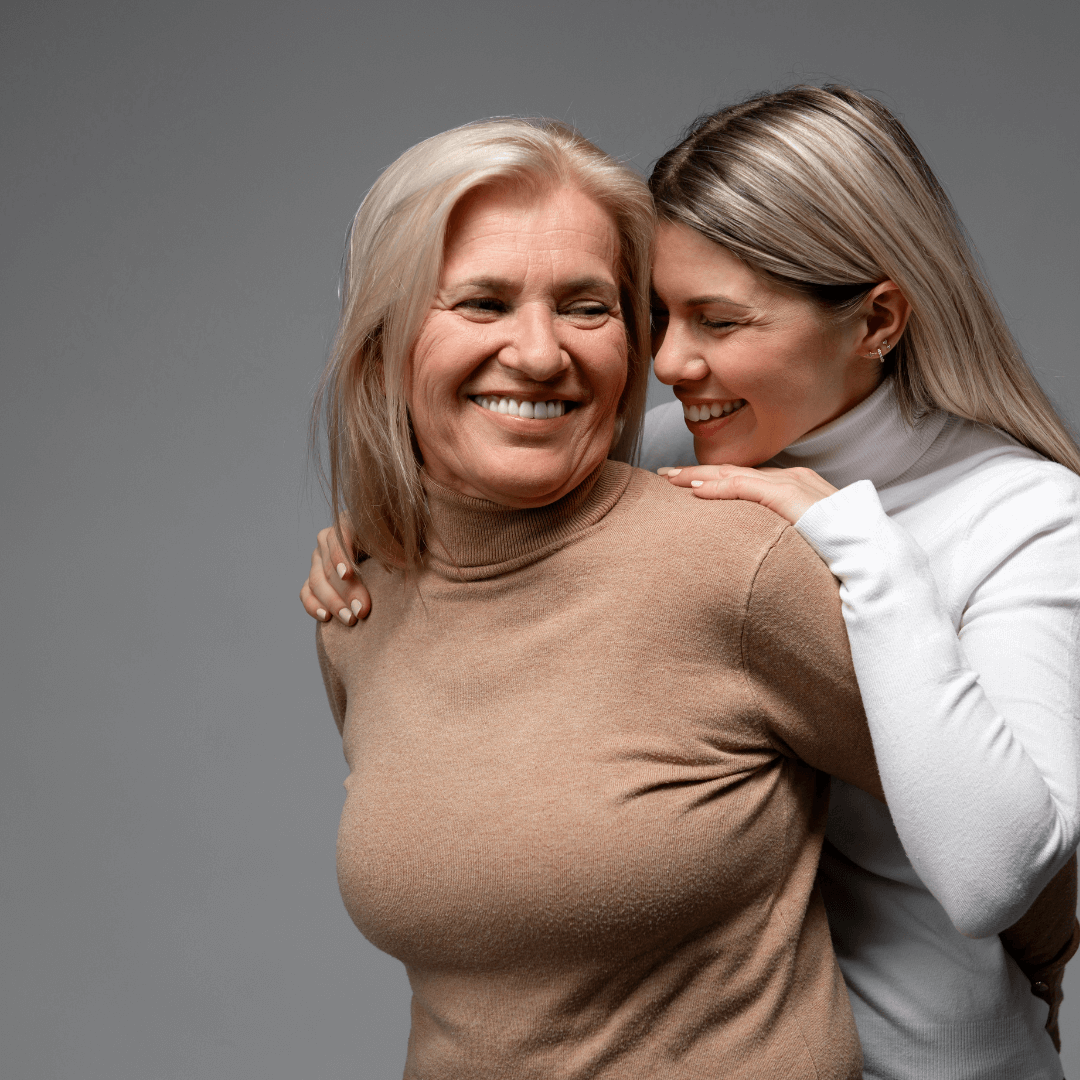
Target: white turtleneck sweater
(958,553)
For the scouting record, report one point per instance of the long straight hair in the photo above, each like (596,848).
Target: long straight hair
(391,269)
(822,190)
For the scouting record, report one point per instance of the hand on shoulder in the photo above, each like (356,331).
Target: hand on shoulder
(332,587)
(787,492)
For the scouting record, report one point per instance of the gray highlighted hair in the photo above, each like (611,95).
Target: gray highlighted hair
(822,190)
(393,260)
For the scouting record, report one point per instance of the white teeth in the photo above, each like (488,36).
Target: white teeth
(529,410)
(712,409)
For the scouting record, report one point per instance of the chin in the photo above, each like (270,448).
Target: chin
(529,475)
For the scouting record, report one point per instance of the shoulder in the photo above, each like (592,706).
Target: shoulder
(695,538)
(339,645)
(704,524)
(984,478)
(971,455)
(1000,476)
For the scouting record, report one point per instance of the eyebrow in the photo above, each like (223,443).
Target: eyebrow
(574,285)
(702,301)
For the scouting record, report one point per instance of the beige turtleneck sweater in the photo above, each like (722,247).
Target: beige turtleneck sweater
(587,746)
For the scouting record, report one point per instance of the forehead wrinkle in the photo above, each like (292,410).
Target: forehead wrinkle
(534,232)
(509,269)
(515,241)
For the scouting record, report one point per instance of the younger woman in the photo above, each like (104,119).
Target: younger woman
(818,308)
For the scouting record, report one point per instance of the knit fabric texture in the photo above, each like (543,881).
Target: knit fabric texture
(587,793)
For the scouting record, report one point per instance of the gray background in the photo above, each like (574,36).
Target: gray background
(178,179)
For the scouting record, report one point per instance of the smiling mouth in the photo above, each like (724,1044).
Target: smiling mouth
(526,410)
(710,410)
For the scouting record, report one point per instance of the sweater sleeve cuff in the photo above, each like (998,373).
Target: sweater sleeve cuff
(854,513)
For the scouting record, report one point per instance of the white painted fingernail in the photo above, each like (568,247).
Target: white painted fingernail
(323,614)
(669,472)
(342,569)
(356,606)
(345,615)
(696,483)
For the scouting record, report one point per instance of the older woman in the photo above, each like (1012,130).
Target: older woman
(817,305)
(584,805)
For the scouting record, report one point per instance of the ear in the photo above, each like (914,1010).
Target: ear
(882,319)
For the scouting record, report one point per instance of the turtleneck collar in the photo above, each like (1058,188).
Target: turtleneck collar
(471,539)
(870,442)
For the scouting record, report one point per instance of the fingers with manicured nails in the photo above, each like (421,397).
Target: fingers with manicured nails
(685,476)
(334,561)
(355,592)
(357,596)
(312,604)
(787,492)
(332,589)
(327,593)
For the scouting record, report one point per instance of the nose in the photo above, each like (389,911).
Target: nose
(675,358)
(534,349)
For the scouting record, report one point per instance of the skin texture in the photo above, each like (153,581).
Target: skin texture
(527,308)
(761,343)
(725,334)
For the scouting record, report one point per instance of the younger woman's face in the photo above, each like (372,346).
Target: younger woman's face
(755,365)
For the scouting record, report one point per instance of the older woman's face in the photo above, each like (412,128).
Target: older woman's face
(517,372)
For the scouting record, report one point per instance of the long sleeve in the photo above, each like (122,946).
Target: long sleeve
(795,652)
(975,725)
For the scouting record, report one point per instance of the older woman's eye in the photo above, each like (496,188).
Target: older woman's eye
(593,309)
(483,304)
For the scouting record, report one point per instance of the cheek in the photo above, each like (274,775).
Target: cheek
(781,371)
(440,362)
(609,365)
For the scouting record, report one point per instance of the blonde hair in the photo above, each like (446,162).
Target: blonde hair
(391,269)
(824,191)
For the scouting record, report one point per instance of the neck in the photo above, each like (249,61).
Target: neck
(471,538)
(872,442)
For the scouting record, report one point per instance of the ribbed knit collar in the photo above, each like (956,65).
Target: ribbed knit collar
(870,442)
(471,539)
